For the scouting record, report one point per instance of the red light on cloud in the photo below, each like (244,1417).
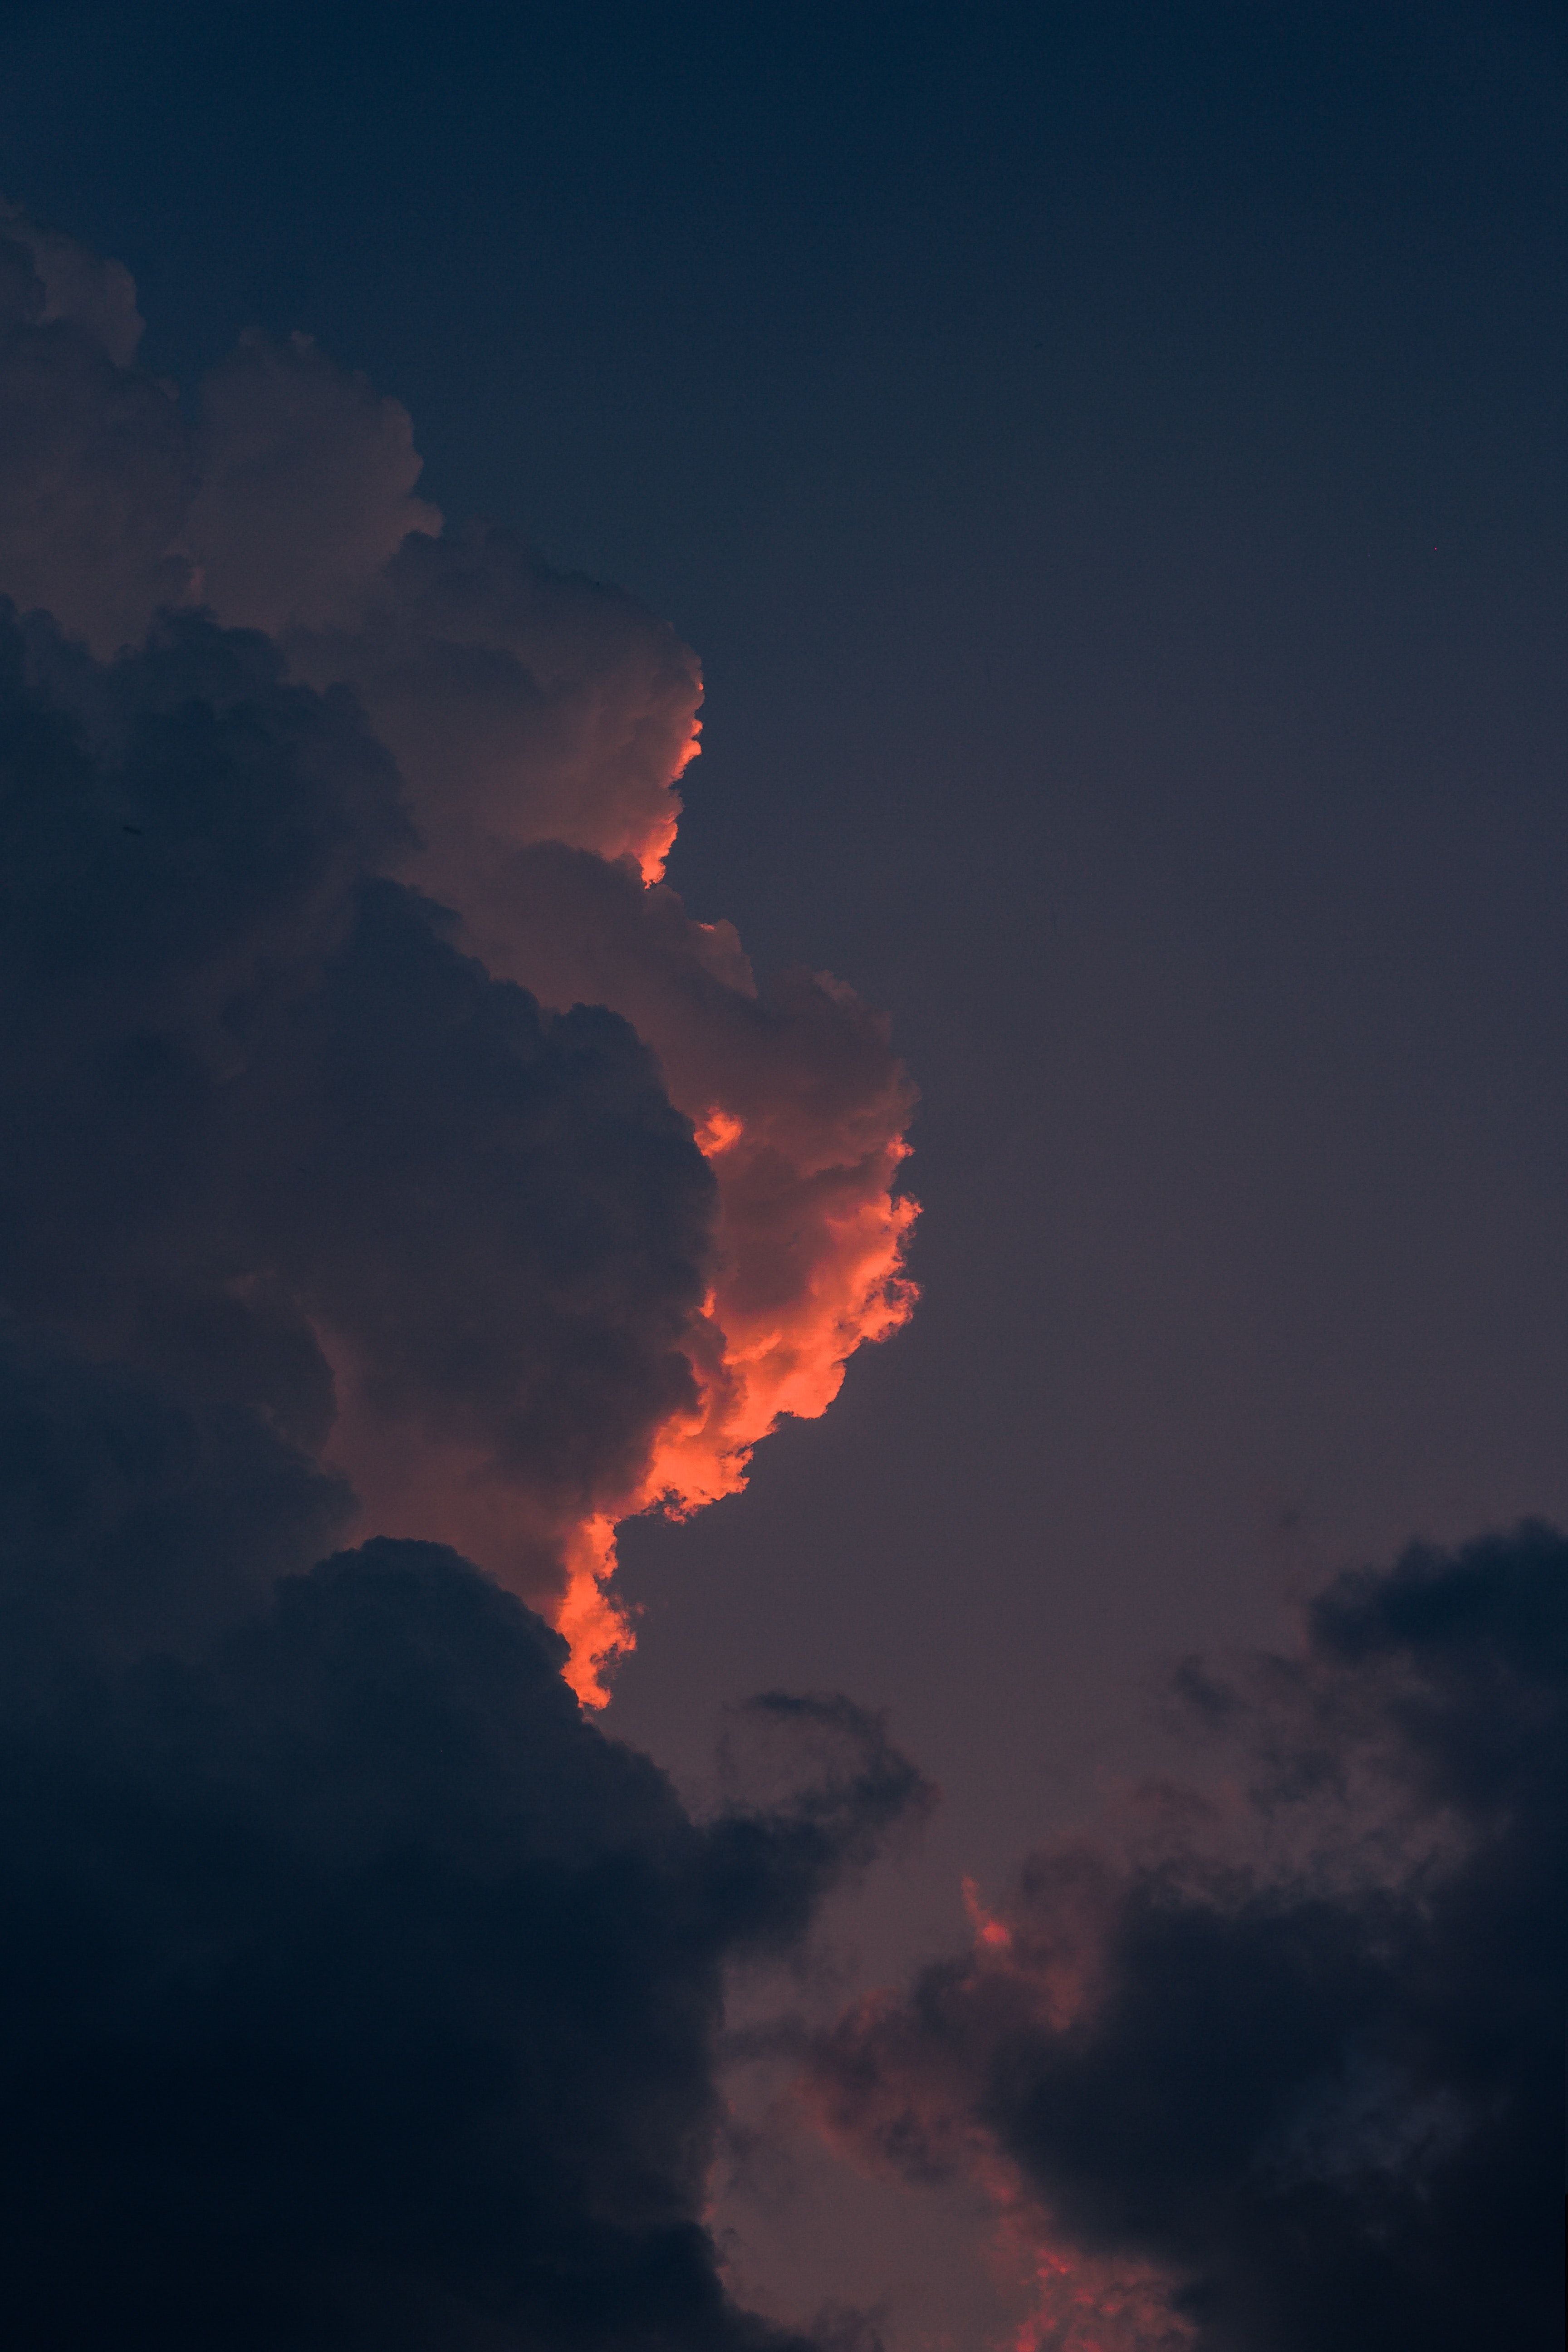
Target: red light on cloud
(794,1097)
(538,724)
(754,1366)
(800,1108)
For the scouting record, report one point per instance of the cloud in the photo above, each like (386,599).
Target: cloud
(280,1139)
(132,1520)
(304,485)
(523,704)
(95,463)
(1264,2074)
(799,1103)
(274,680)
(391,1151)
(355,1989)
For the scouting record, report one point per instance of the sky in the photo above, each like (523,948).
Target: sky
(1095,478)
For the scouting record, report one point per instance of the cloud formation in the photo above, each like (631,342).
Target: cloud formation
(1280,2068)
(299,784)
(278,1137)
(391,1152)
(355,1990)
(799,1107)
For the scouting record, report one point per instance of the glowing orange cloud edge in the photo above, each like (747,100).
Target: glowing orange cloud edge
(658,837)
(750,1375)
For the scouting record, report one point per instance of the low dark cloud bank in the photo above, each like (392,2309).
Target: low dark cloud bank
(1292,2053)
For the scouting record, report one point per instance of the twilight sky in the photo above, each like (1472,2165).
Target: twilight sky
(1109,462)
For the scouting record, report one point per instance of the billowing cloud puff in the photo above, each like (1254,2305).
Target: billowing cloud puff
(492,1278)
(1284,2070)
(356,1991)
(798,1103)
(523,704)
(271,1125)
(303,486)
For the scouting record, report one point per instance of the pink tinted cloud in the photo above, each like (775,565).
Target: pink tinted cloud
(540,724)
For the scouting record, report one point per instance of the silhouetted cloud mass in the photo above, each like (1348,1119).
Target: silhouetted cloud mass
(355,1989)
(1281,2067)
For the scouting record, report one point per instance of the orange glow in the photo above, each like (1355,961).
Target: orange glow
(657,839)
(796,1099)
(988,1931)
(593,1623)
(788,1355)
(810,1267)
(799,1111)
(716,1132)
(754,1363)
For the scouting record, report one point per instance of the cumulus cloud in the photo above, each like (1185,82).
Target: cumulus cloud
(799,1105)
(133,1520)
(523,704)
(1282,2068)
(355,1989)
(271,679)
(277,1140)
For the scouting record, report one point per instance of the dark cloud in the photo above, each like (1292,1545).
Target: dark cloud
(1299,2060)
(355,1990)
(131,1520)
(266,1115)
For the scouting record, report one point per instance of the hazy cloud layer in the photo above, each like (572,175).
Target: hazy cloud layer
(512,1375)
(1281,2067)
